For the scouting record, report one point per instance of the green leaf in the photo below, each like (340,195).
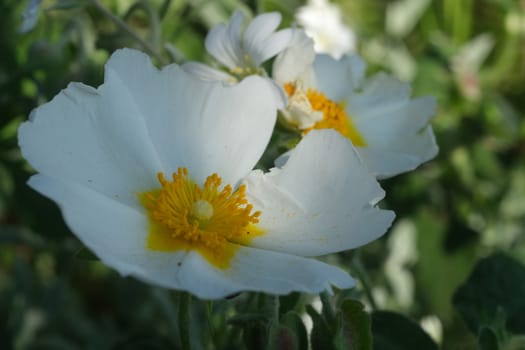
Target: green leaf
(185,320)
(515,343)
(493,295)
(293,321)
(321,337)
(393,331)
(289,302)
(243,319)
(488,340)
(281,338)
(354,332)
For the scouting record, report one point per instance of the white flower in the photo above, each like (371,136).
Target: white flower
(390,130)
(242,51)
(152,172)
(323,23)
(466,64)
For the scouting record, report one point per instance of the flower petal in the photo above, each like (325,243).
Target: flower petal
(338,78)
(274,44)
(295,60)
(203,126)
(394,126)
(259,270)
(386,163)
(96,138)
(321,201)
(114,232)
(261,42)
(260,28)
(207,73)
(117,235)
(223,41)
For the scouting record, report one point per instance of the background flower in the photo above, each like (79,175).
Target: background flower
(242,50)
(390,129)
(323,22)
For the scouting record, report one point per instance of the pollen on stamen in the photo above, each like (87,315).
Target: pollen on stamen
(185,216)
(334,115)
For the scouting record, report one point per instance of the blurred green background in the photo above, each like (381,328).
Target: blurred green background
(465,205)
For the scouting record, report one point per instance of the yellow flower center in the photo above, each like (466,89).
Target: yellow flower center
(184,216)
(334,115)
(245,70)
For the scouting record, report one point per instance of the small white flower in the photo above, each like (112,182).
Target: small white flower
(152,172)
(467,62)
(323,23)
(390,130)
(241,51)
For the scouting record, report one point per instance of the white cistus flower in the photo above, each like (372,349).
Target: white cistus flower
(241,48)
(389,129)
(153,172)
(323,22)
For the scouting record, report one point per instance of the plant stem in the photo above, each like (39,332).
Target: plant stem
(184,320)
(359,270)
(126,28)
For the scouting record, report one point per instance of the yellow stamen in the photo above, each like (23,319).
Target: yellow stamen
(184,216)
(334,115)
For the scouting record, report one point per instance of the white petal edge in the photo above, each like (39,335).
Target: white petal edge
(201,125)
(295,59)
(385,163)
(321,201)
(208,73)
(337,78)
(273,45)
(112,231)
(259,271)
(96,138)
(395,126)
(257,32)
(117,235)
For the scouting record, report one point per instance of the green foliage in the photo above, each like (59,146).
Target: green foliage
(393,331)
(455,211)
(348,329)
(491,300)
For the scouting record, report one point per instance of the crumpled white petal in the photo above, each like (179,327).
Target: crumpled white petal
(395,127)
(296,60)
(308,217)
(338,78)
